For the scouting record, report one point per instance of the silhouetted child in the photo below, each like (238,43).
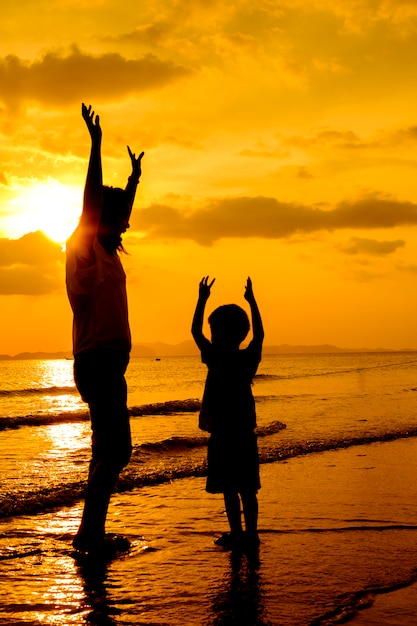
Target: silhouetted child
(228,410)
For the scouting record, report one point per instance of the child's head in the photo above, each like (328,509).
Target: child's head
(229,325)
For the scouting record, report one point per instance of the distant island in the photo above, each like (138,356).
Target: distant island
(188,348)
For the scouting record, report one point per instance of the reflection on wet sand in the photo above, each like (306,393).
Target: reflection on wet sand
(239,599)
(94,579)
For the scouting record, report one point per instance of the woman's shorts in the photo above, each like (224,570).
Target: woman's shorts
(99,377)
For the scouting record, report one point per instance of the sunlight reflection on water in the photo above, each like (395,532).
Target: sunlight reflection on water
(65,438)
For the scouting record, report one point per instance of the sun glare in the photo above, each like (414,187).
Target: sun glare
(48,206)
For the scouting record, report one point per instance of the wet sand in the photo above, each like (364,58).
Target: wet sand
(398,608)
(337,528)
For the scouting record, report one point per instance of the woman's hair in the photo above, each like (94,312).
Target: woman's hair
(115,206)
(229,323)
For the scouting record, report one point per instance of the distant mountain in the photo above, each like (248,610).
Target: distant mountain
(43,356)
(188,348)
(185,348)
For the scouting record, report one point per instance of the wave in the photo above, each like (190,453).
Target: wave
(342,529)
(191,405)
(333,372)
(288,449)
(175,458)
(178,443)
(43,419)
(361,600)
(38,391)
(170,407)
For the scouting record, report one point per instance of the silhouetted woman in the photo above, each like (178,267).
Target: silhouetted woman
(96,285)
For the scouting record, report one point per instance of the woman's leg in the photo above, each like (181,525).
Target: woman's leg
(100,380)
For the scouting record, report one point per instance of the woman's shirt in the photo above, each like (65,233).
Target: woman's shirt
(97,294)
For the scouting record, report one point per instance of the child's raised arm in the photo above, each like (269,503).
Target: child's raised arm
(197,325)
(257,326)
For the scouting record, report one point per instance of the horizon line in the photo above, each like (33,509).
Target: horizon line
(149,349)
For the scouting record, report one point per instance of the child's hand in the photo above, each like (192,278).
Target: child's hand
(249,291)
(205,287)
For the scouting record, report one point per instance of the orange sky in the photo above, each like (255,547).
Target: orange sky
(280,141)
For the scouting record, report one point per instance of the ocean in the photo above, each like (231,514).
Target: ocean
(323,552)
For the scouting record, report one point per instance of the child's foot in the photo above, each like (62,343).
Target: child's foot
(229,540)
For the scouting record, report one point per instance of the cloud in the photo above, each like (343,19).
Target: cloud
(412,269)
(303,172)
(405,135)
(31,249)
(337,138)
(373,247)
(61,80)
(360,13)
(150,34)
(27,281)
(374,212)
(31,265)
(347,141)
(268,218)
(264,153)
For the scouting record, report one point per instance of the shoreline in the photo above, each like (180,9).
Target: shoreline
(183,457)
(333,525)
(392,608)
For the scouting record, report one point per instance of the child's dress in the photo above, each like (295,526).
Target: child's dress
(228,413)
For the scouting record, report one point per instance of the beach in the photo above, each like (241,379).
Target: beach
(347,517)
(396,608)
(337,436)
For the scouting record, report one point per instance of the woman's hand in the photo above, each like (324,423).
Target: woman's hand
(93,124)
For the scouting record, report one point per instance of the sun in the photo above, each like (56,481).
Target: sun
(49,206)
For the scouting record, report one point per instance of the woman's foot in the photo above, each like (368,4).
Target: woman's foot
(107,547)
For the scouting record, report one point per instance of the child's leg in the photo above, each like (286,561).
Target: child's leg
(250,512)
(232,504)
